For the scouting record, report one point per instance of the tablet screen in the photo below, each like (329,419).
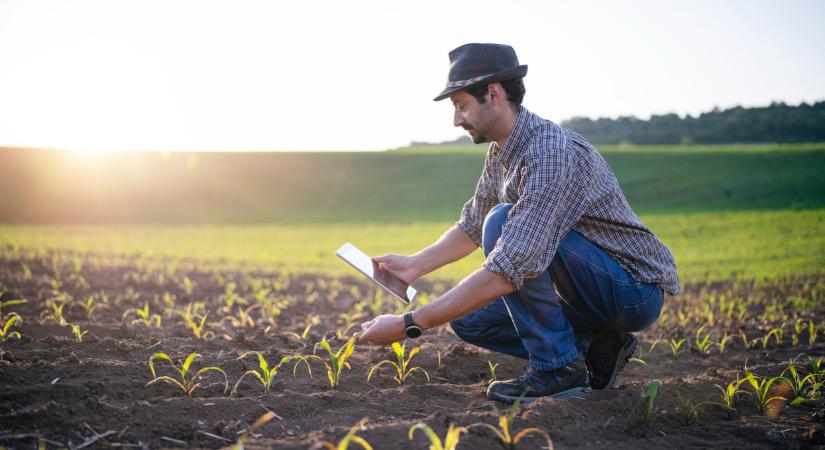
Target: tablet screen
(384,278)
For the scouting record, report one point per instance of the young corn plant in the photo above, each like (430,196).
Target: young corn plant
(727,394)
(689,409)
(643,412)
(350,437)
(242,318)
(762,392)
(5,329)
(54,312)
(266,374)
(492,371)
(348,322)
(142,316)
(722,344)
(90,306)
(799,384)
(403,370)
(7,303)
(702,343)
(747,343)
(198,327)
(813,330)
(78,335)
(506,424)
(676,346)
(337,360)
(450,439)
(187,379)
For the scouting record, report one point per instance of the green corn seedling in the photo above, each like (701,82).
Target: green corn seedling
(644,409)
(727,394)
(188,286)
(187,380)
(5,330)
(265,374)
(350,437)
(762,390)
(54,312)
(89,307)
(401,365)
(812,332)
(702,343)
(492,371)
(797,382)
(450,439)
(198,327)
(7,303)
(242,318)
(337,360)
(143,316)
(676,346)
(722,344)
(688,408)
(78,335)
(506,423)
(747,343)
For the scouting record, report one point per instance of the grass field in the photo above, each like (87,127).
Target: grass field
(707,246)
(732,211)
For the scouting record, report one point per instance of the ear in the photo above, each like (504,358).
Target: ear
(496,92)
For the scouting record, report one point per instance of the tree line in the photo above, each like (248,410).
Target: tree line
(776,123)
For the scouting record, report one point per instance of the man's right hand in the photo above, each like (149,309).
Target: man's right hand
(402,266)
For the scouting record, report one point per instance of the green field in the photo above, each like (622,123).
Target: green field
(733,211)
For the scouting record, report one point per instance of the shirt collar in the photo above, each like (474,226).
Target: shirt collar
(512,146)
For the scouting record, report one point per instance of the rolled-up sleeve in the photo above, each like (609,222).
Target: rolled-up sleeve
(551,202)
(477,207)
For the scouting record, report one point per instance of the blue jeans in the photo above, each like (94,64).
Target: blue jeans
(551,319)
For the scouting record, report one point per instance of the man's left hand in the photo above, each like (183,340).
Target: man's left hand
(383,330)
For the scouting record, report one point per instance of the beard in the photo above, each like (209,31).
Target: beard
(477,138)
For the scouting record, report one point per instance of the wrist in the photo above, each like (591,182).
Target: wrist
(420,265)
(421,319)
(411,328)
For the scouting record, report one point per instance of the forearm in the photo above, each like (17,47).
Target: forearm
(472,293)
(453,245)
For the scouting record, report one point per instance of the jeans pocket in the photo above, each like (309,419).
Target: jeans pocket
(641,313)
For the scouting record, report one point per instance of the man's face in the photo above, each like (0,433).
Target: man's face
(473,116)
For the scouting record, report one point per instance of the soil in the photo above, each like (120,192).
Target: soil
(63,393)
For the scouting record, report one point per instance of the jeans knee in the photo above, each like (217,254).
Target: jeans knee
(493,223)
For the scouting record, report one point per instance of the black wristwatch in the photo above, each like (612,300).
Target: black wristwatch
(411,329)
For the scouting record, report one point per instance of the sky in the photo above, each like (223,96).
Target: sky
(361,75)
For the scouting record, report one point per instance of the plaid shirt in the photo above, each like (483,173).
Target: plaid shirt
(557,181)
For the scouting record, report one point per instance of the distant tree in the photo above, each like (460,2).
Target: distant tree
(777,122)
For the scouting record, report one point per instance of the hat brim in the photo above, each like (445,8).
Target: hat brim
(506,74)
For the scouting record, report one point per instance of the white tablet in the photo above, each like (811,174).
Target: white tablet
(383,277)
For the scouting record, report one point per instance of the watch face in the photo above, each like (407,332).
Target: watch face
(413,331)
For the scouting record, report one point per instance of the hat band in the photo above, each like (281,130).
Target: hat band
(468,82)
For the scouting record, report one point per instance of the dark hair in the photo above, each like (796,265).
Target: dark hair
(514,88)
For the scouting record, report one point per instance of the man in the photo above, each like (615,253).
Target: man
(570,270)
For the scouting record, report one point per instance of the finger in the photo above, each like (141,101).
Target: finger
(363,338)
(382,258)
(359,338)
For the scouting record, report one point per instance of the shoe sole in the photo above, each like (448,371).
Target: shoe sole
(577,392)
(624,355)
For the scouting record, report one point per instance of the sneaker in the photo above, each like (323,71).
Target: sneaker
(564,382)
(609,352)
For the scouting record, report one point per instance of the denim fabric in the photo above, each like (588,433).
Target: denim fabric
(551,319)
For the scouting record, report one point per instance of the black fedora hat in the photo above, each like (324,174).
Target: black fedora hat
(473,64)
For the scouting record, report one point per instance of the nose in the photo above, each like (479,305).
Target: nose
(458,119)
